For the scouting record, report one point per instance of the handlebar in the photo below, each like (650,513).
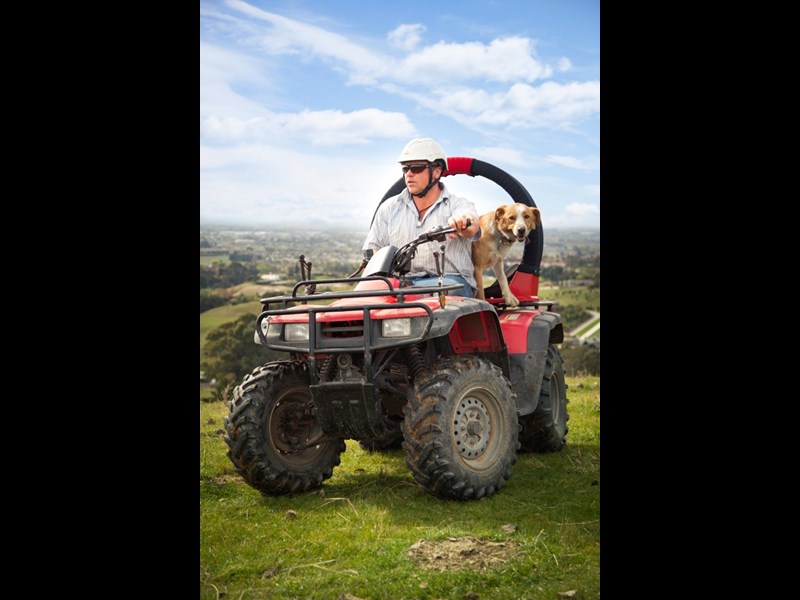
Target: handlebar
(439,233)
(402,259)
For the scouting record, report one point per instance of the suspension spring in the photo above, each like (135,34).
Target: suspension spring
(326,371)
(416,365)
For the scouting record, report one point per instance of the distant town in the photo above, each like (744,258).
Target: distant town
(280,248)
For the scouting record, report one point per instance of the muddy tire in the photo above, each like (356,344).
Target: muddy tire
(545,429)
(461,429)
(268,427)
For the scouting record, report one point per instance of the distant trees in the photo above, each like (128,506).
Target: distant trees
(576,267)
(580,358)
(571,315)
(557,274)
(242,256)
(231,352)
(209,300)
(219,275)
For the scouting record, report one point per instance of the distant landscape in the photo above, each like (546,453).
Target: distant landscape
(277,249)
(239,265)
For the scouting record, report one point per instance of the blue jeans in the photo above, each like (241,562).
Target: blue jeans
(467,291)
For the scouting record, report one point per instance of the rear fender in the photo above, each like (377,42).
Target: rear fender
(528,353)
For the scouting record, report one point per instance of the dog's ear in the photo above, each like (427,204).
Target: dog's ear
(498,214)
(537,216)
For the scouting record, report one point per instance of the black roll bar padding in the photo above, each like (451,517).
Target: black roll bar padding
(532,255)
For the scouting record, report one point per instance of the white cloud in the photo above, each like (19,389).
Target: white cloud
(442,66)
(553,105)
(505,59)
(564,64)
(582,208)
(574,163)
(290,36)
(592,190)
(319,128)
(497,154)
(263,183)
(220,69)
(406,37)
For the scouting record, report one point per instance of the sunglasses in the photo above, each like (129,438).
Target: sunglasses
(416,169)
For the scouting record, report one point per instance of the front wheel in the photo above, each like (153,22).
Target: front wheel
(545,429)
(461,429)
(274,440)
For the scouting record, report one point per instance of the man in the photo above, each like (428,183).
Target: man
(423,204)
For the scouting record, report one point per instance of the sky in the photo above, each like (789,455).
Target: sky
(305,105)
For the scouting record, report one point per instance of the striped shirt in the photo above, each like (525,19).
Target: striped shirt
(397,222)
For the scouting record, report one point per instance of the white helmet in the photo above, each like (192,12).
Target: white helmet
(424,149)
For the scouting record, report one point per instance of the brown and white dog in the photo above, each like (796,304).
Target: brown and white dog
(499,230)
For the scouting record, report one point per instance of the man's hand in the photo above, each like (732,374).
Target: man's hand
(460,223)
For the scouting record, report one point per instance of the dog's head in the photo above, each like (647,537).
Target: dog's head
(515,221)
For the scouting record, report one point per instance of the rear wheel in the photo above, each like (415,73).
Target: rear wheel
(274,440)
(461,429)
(545,429)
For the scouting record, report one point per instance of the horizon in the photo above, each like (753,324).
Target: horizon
(293,226)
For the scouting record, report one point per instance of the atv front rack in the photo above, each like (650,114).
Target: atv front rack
(370,339)
(390,290)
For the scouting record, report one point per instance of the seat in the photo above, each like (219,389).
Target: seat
(493,291)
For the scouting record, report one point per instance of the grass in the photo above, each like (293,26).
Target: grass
(573,295)
(353,535)
(209,259)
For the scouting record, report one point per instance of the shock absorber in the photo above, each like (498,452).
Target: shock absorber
(416,364)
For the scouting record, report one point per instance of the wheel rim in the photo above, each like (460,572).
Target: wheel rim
(472,431)
(556,394)
(291,425)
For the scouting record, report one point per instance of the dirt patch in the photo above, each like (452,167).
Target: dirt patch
(223,479)
(467,553)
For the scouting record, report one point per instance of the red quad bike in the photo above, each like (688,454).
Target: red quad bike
(461,384)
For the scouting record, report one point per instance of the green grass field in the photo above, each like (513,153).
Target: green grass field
(207,259)
(573,295)
(353,535)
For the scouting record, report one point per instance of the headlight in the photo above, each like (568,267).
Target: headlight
(396,327)
(296,332)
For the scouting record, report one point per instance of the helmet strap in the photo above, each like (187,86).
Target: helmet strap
(432,183)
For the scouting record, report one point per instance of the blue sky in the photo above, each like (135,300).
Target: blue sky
(305,105)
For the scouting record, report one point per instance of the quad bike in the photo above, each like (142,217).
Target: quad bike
(461,384)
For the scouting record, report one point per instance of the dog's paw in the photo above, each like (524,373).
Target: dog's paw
(511,300)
